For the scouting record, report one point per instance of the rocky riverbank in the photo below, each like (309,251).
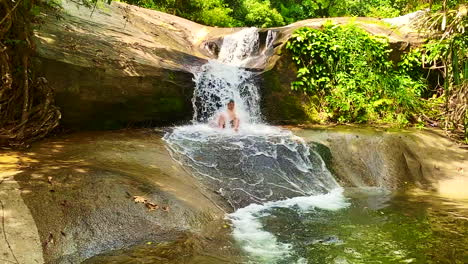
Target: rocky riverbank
(69,198)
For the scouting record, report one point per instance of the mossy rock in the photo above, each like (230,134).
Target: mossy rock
(281,105)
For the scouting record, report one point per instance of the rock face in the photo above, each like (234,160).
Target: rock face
(79,189)
(281,105)
(122,65)
(361,157)
(103,76)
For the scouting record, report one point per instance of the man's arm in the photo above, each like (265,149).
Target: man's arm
(221,121)
(236,124)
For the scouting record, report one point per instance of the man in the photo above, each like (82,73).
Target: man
(229,117)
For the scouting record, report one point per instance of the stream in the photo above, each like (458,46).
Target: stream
(373,226)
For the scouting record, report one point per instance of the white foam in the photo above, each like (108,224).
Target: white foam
(218,81)
(262,245)
(245,129)
(240,47)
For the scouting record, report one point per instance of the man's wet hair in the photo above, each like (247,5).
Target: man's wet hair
(231,101)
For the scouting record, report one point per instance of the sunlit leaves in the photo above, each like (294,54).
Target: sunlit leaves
(261,14)
(270,13)
(350,73)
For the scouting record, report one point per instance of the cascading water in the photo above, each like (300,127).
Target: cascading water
(259,164)
(220,80)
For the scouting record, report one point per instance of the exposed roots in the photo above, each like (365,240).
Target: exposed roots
(447,28)
(27,110)
(457,113)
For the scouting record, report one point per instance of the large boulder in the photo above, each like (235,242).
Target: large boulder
(118,65)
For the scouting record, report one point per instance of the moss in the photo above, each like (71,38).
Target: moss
(280,103)
(292,109)
(170,104)
(171,76)
(285,109)
(272,81)
(324,153)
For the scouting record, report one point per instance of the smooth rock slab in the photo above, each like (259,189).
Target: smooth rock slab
(391,158)
(79,190)
(19,237)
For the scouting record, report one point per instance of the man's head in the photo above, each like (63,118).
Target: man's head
(231,105)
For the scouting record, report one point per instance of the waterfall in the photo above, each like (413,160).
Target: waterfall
(216,84)
(223,79)
(260,163)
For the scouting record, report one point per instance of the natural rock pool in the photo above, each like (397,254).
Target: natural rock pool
(313,196)
(376,226)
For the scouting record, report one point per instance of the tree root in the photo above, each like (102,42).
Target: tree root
(27,110)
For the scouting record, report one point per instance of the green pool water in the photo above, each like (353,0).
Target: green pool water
(376,227)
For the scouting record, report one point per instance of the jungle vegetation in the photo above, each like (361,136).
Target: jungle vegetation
(427,87)
(272,13)
(350,78)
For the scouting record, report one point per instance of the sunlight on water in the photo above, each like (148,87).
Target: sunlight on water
(216,84)
(223,79)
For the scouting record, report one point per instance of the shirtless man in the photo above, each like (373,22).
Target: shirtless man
(229,117)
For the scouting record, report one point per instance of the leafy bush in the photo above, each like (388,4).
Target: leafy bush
(350,78)
(210,12)
(217,16)
(270,13)
(261,14)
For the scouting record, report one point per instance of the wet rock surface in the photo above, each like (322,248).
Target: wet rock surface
(252,169)
(80,191)
(77,190)
(393,159)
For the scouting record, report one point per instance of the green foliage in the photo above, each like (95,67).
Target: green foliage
(270,13)
(211,12)
(293,10)
(217,16)
(350,76)
(446,54)
(35,10)
(14,42)
(260,13)
(452,51)
(382,9)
